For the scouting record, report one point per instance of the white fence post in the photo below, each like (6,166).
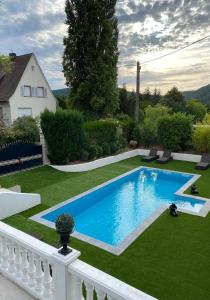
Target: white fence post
(63,288)
(44,149)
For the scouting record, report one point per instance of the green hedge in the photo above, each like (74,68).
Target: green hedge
(201,139)
(175,131)
(102,131)
(127,128)
(64,133)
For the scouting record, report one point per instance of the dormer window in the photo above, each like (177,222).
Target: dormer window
(27,91)
(40,92)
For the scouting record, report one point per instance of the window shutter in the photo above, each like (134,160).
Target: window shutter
(33,91)
(45,92)
(22,91)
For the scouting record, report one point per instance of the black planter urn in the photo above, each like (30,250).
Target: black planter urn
(64,226)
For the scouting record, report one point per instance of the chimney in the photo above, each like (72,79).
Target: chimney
(12,55)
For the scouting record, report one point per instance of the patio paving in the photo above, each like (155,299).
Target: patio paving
(9,291)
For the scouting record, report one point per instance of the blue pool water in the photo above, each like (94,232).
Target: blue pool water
(112,212)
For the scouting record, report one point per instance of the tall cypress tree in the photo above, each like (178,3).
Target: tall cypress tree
(91,55)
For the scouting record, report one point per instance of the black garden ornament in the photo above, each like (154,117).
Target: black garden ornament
(64,226)
(173,210)
(194,190)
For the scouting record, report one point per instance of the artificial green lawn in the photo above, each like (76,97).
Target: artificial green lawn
(170,260)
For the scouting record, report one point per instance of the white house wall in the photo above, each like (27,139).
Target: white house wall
(33,78)
(6,112)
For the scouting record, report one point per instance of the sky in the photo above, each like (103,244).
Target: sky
(147,29)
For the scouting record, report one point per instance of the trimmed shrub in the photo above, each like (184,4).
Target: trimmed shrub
(127,128)
(137,134)
(175,131)
(102,131)
(25,128)
(106,149)
(84,155)
(99,151)
(201,139)
(113,148)
(93,151)
(64,133)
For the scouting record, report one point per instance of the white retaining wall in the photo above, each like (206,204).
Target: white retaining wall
(12,203)
(83,167)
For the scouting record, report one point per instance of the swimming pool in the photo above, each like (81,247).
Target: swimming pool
(109,214)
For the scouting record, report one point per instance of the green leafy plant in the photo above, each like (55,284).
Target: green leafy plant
(102,131)
(106,148)
(64,223)
(93,151)
(25,128)
(64,133)
(175,131)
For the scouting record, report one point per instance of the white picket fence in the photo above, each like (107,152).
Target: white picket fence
(47,275)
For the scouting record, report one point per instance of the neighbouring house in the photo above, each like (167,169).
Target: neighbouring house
(24,91)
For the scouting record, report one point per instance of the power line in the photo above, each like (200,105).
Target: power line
(160,57)
(177,50)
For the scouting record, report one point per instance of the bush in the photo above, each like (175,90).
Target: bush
(136,134)
(113,148)
(84,155)
(64,133)
(4,135)
(102,131)
(201,139)
(93,151)
(99,151)
(127,128)
(25,128)
(175,131)
(106,149)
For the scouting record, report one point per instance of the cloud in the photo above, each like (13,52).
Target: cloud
(147,29)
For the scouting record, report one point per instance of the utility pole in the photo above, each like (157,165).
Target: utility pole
(137,92)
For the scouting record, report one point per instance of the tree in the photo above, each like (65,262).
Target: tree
(5,64)
(148,130)
(156,97)
(197,109)
(62,101)
(146,98)
(175,100)
(91,55)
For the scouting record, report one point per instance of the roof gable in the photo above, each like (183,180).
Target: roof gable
(9,82)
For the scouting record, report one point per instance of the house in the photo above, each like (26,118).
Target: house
(25,90)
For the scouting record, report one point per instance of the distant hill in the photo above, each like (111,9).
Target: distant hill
(61,92)
(202,94)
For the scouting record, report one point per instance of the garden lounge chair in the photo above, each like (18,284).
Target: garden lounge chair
(165,158)
(152,156)
(204,163)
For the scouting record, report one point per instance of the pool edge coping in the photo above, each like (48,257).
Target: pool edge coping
(129,239)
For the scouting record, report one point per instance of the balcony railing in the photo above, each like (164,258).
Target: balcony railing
(47,275)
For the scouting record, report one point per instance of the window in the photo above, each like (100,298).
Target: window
(40,92)
(1,113)
(24,111)
(27,91)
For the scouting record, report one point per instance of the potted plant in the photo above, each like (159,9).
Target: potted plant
(64,226)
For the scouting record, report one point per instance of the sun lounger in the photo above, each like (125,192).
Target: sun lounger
(204,163)
(152,156)
(165,158)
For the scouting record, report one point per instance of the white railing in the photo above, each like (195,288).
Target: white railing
(45,274)
(103,285)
